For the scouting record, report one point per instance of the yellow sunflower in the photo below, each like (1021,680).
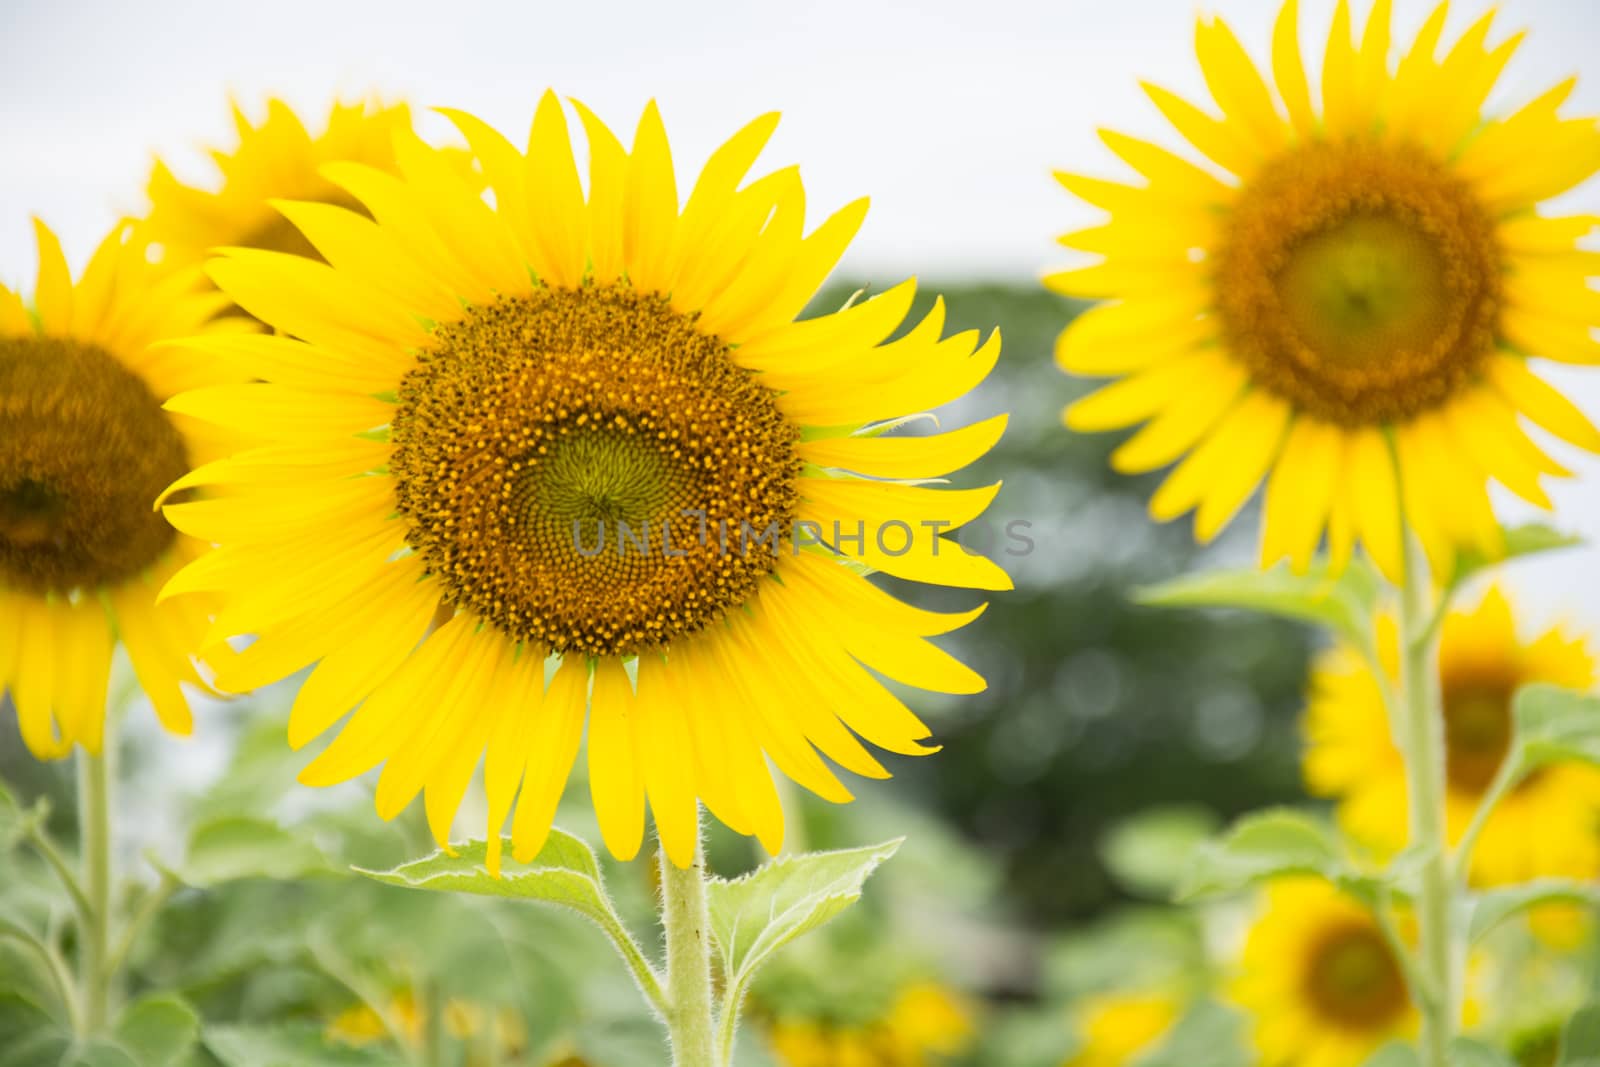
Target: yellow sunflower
(1319,981)
(361,1025)
(1115,1029)
(1341,300)
(277,159)
(585,426)
(1546,826)
(85,450)
(926,1023)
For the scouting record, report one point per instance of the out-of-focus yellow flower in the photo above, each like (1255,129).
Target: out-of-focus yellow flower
(360,1024)
(1115,1028)
(1547,826)
(1343,300)
(926,1022)
(277,159)
(1319,980)
(85,450)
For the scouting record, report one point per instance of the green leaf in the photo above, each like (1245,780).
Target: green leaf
(286,1045)
(238,847)
(1394,1054)
(1527,540)
(1263,845)
(1554,724)
(754,916)
(28,1035)
(1465,1052)
(98,1052)
(565,872)
(159,1031)
(1580,1041)
(1150,852)
(1344,604)
(1495,906)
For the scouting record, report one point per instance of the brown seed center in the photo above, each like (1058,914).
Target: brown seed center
(1353,979)
(578,467)
(85,449)
(1360,282)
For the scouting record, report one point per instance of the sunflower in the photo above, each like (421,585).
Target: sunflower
(85,450)
(277,159)
(1340,301)
(405,1020)
(926,1022)
(1115,1029)
(582,434)
(1318,979)
(1546,826)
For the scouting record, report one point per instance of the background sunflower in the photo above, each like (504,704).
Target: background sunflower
(85,449)
(1341,300)
(1546,827)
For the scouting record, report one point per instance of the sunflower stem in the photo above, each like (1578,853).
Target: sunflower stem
(1421,739)
(691,1022)
(94,830)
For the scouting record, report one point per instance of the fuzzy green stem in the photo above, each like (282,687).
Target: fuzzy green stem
(94,830)
(691,1022)
(1421,739)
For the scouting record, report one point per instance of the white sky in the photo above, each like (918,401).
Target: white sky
(949,114)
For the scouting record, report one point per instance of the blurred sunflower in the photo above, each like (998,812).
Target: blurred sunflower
(492,435)
(926,1022)
(85,450)
(1341,301)
(1115,1029)
(1546,826)
(404,1022)
(1319,981)
(277,159)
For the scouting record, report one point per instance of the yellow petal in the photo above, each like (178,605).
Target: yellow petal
(1236,85)
(1540,402)
(649,205)
(1225,466)
(1130,335)
(616,782)
(52,293)
(1374,493)
(555,207)
(667,763)
(1222,142)
(1300,491)
(1288,69)
(33,680)
(83,646)
(608,166)
(548,758)
(906,457)
(1175,429)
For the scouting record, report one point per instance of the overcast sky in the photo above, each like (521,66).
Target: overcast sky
(949,115)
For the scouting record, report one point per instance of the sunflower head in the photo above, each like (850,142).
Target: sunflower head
(567,462)
(85,451)
(1545,827)
(1319,980)
(277,158)
(1338,294)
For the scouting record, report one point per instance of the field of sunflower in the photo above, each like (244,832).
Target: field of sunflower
(513,585)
